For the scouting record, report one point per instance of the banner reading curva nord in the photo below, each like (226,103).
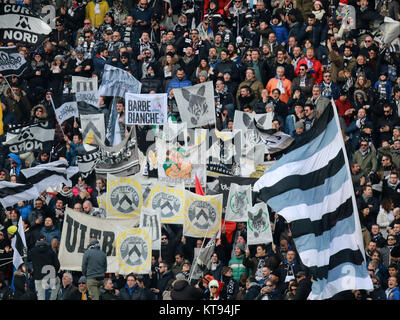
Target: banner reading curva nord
(145,109)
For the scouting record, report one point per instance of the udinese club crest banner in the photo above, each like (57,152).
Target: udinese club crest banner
(203,215)
(170,200)
(124,197)
(239,202)
(133,251)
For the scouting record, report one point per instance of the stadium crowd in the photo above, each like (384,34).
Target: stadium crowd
(289,57)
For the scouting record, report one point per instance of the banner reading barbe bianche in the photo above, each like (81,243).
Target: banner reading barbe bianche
(145,109)
(11,62)
(77,230)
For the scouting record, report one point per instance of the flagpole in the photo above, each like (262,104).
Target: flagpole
(55,113)
(5,78)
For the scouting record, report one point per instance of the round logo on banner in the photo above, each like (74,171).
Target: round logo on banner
(239,203)
(134,251)
(202,214)
(125,199)
(257,222)
(168,204)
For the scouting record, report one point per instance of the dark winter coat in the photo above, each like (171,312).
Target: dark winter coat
(42,255)
(182,290)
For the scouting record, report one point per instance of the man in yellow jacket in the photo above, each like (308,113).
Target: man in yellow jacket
(95,11)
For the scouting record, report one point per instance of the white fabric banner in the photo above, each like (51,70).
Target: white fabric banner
(93,124)
(146,109)
(151,218)
(239,202)
(133,251)
(258,225)
(77,230)
(67,110)
(196,104)
(203,215)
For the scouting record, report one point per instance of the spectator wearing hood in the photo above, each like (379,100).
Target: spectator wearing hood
(280,30)
(94,267)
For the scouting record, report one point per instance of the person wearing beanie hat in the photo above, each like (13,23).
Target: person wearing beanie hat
(236,263)
(12,230)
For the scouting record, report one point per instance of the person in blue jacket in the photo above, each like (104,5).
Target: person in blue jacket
(282,35)
(180,81)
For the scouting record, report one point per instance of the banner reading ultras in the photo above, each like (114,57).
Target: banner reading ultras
(145,109)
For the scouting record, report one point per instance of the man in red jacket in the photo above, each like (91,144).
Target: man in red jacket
(314,66)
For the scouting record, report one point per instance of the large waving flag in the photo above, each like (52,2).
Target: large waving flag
(311,188)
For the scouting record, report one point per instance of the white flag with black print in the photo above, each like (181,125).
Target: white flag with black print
(93,125)
(196,104)
(84,84)
(47,175)
(18,243)
(66,111)
(19,24)
(12,193)
(258,225)
(152,219)
(11,62)
(116,82)
(239,202)
(89,97)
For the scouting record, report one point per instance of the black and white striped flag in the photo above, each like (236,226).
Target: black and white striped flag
(311,188)
(18,243)
(47,175)
(12,193)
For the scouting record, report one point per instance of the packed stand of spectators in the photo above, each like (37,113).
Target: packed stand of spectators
(288,57)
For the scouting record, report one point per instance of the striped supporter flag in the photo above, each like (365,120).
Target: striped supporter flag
(12,193)
(311,187)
